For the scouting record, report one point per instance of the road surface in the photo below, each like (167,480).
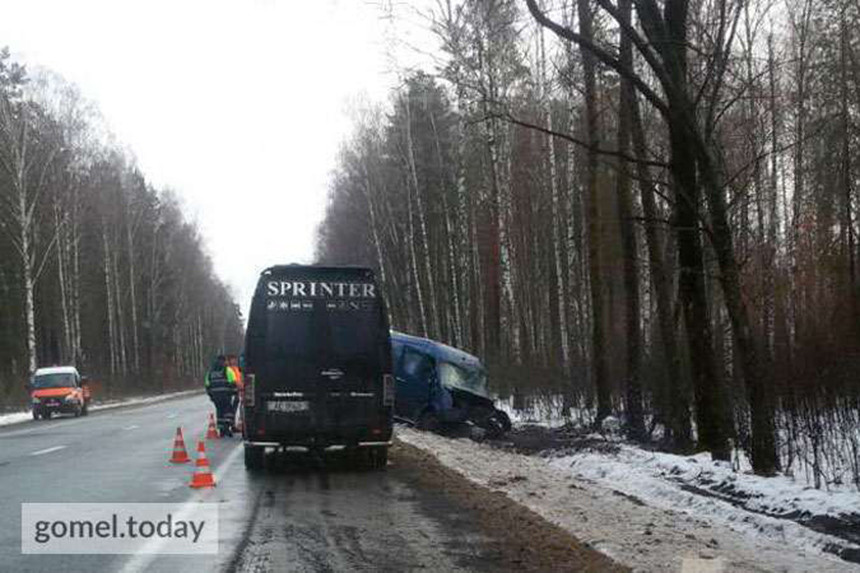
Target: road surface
(300,514)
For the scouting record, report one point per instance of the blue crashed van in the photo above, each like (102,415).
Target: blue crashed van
(439,387)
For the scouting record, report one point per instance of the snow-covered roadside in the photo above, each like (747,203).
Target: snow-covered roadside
(18,417)
(638,520)
(656,476)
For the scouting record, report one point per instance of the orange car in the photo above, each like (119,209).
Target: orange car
(58,389)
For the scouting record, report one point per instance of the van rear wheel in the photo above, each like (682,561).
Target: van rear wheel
(254,457)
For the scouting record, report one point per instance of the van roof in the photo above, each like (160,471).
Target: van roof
(56,370)
(438,350)
(274,269)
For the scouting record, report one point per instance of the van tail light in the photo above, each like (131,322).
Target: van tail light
(387,390)
(250,379)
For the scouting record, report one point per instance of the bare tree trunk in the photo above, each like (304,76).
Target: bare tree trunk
(199,345)
(635,416)
(768,260)
(123,361)
(374,230)
(575,294)
(764,456)
(709,402)
(557,224)
(801,31)
(17,163)
(433,323)
(62,251)
(510,320)
(598,336)
(453,309)
(479,316)
(465,245)
(677,392)
(27,274)
(414,260)
(848,223)
(76,281)
(151,296)
(132,290)
(108,257)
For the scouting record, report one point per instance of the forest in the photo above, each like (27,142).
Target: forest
(645,207)
(98,268)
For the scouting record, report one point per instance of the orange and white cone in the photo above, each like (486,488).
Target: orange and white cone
(202,473)
(212,431)
(180,455)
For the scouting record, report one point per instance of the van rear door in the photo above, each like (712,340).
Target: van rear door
(318,354)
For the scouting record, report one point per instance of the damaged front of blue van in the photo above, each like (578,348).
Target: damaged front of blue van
(439,387)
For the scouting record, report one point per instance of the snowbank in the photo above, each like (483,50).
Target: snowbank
(18,417)
(661,476)
(634,507)
(15,418)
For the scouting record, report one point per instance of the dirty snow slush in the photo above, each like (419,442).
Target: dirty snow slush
(618,502)
(317,516)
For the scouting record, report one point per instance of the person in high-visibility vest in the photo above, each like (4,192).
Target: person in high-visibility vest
(233,366)
(221,387)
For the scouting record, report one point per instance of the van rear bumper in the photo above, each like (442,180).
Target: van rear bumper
(370,435)
(268,444)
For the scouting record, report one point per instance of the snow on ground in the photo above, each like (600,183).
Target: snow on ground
(821,452)
(546,410)
(17,417)
(659,475)
(631,507)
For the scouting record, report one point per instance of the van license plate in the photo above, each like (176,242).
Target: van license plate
(288,406)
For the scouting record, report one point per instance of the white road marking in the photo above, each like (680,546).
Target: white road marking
(47,450)
(132,427)
(171,416)
(150,551)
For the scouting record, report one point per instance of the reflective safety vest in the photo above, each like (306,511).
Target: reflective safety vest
(221,381)
(237,376)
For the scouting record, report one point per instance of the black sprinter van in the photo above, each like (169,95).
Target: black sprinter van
(318,363)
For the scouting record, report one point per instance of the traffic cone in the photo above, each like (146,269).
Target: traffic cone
(180,455)
(202,474)
(212,431)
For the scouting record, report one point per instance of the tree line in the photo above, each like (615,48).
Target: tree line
(98,268)
(649,205)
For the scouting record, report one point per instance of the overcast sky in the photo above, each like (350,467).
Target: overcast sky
(239,106)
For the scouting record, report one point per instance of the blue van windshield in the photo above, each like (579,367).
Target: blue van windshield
(473,380)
